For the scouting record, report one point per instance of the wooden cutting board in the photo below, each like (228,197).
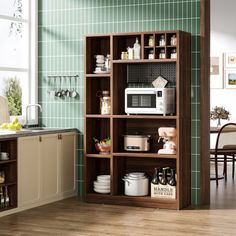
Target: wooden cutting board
(4,112)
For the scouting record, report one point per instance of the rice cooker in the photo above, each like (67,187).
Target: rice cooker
(137,143)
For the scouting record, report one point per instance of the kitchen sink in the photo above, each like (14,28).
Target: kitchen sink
(37,129)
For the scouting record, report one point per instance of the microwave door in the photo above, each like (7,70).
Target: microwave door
(141,103)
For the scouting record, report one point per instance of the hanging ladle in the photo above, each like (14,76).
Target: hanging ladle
(58,93)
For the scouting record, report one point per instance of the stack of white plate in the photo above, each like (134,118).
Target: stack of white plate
(102,184)
(100,64)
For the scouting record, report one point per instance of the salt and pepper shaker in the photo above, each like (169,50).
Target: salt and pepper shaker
(162,41)
(162,54)
(173,54)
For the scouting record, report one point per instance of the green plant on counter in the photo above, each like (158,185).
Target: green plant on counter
(13,93)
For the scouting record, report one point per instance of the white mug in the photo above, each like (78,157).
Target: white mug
(4,155)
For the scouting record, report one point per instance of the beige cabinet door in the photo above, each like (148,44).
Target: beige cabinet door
(67,147)
(49,166)
(28,170)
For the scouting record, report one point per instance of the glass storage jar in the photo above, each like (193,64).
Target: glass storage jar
(151,41)
(105,102)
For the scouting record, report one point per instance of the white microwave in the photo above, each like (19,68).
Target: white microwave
(160,101)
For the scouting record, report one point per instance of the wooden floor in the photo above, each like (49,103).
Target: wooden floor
(72,217)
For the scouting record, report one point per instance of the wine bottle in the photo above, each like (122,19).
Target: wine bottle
(163,179)
(172,181)
(7,199)
(155,182)
(137,48)
(155,179)
(2,201)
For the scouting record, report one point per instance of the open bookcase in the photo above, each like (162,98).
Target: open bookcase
(118,162)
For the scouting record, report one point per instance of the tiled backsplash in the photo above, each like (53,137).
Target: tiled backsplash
(62,26)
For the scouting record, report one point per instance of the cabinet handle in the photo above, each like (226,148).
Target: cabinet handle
(40,139)
(59,136)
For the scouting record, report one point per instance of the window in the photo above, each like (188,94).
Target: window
(18,78)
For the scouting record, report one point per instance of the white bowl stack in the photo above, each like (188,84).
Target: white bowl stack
(100,64)
(102,184)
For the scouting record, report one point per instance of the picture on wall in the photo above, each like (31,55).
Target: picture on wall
(230,60)
(230,78)
(216,71)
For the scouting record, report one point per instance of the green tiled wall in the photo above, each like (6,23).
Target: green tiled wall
(62,26)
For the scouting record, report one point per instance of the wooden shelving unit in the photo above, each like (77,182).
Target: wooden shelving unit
(10,170)
(118,123)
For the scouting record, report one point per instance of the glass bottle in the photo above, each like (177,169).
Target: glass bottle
(162,41)
(173,40)
(108,62)
(154,183)
(172,181)
(163,179)
(2,201)
(155,179)
(137,48)
(105,103)
(7,199)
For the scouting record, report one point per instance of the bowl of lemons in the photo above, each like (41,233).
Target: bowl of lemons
(12,126)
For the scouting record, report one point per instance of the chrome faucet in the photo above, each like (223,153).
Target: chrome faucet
(27,112)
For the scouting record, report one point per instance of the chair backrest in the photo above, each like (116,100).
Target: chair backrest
(226,138)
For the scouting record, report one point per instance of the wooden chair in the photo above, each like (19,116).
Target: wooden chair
(225,149)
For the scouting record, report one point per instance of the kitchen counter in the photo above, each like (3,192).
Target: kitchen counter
(6,134)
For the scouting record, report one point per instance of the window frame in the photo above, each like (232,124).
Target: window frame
(32,67)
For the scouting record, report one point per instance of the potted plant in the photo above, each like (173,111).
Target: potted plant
(219,113)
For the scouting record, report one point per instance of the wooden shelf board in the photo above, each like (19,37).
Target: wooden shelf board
(144,117)
(170,46)
(149,47)
(7,184)
(143,61)
(8,161)
(98,75)
(97,116)
(160,46)
(98,155)
(145,155)
(146,201)
(7,208)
